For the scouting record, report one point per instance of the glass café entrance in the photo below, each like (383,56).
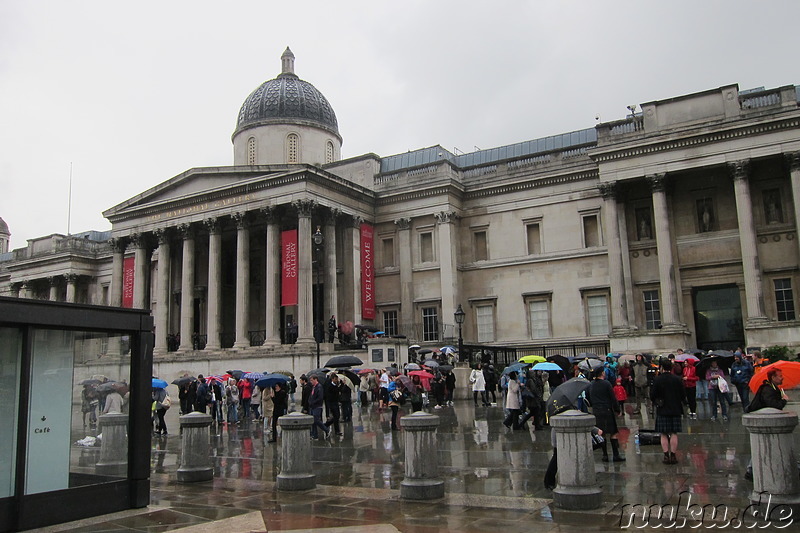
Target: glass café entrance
(50,353)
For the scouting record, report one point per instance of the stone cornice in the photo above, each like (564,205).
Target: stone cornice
(534,184)
(659,143)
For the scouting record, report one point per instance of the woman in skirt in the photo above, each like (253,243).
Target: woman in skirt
(668,395)
(605,408)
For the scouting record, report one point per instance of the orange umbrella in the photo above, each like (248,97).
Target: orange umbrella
(789,369)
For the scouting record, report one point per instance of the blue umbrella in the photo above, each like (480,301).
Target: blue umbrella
(516,367)
(253,375)
(270,380)
(546,366)
(159,383)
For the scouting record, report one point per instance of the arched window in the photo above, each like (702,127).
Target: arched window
(329,153)
(292,148)
(251,151)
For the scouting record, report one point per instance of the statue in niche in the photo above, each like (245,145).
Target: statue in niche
(705,215)
(644,227)
(772,206)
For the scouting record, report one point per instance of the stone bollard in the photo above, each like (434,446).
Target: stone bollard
(114,445)
(422,481)
(296,473)
(195,449)
(577,487)
(773,456)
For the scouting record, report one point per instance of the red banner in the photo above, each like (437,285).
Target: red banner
(367,273)
(127,282)
(289,267)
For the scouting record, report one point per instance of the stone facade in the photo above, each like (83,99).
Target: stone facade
(673,227)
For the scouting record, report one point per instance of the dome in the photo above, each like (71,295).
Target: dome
(4,227)
(287,98)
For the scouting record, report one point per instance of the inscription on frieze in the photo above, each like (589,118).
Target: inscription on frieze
(201,207)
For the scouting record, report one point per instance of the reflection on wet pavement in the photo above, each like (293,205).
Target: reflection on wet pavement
(493,476)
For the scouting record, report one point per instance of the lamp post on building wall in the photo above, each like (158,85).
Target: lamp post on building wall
(318,240)
(459,316)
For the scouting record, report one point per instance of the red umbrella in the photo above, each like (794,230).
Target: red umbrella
(421,374)
(789,369)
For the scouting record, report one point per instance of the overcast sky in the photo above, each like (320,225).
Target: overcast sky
(133,93)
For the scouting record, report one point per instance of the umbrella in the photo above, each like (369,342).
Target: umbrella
(346,328)
(351,376)
(446,368)
(447,350)
(342,361)
(694,351)
(532,359)
(424,351)
(627,358)
(561,361)
(216,379)
(100,377)
(379,333)
(319,372)
(789,369)
(546,366)
(237,374)
(705,363)
(90,382)
(412,366)
(110,386)
(686,357)
(253,375)
(406,382)
(392,371)
(515,367)
(566,395)
(365,371)
(270,380)
(430,363)
(421,374)
(721,353)
(180,382)
(371,329)
(159,384)
(414,347)
(284,372)
(590,364)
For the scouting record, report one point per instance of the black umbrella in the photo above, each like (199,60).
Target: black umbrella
(446,368)
(350,374)
(431,363)
(319,372)
(236,373)
(705,363)
(561,361)
(424,351)
(180,382)
(565,396)
(371,329)
(721,353)
(111,386)
(343,361)
(90,382)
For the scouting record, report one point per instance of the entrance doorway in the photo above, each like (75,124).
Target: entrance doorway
(718,317)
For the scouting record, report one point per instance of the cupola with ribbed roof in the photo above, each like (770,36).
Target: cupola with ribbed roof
(286,120)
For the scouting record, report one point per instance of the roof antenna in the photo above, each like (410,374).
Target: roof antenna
(69,204)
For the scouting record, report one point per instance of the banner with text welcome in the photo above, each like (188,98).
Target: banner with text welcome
(367,273)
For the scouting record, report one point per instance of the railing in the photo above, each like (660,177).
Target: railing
(536,160)
(173,342)
(630,125)
(763,99)
(502,356)
(257,337)
(480,171)
(436,332)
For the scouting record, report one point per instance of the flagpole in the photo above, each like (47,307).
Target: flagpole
(69,205)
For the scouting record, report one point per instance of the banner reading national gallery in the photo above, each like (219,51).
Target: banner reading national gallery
(127,282)
(367,273)
(289,267)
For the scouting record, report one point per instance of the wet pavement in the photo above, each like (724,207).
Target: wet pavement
(493,478)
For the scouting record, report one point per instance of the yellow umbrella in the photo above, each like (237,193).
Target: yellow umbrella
(533,359)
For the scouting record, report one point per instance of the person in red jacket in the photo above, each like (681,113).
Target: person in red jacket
(690,380)
(621,395)
(245,393)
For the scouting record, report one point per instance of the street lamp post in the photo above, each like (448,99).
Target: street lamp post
(459,316)
(318,240)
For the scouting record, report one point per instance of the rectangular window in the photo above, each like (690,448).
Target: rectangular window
(387,252)
(426,247)
(591,231)
(597,314)
(652,310)
(390,323)
(784,299)
(484,315)
(481,247)
(534,238)
(539,316)
(430,324)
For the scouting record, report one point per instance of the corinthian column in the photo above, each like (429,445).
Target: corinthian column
(331,293)
(141,271)
(305,311)
(753,286)
(214,281)
(794,171)
(71,280)
(272,277)
(666,263)
(117,246)
(162,292)
(242,280)
(619,315)
(187,288)
(448,263)
(406,275)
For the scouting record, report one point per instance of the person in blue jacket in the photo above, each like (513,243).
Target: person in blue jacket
(741,372)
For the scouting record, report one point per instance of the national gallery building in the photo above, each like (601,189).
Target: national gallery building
(675,226)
